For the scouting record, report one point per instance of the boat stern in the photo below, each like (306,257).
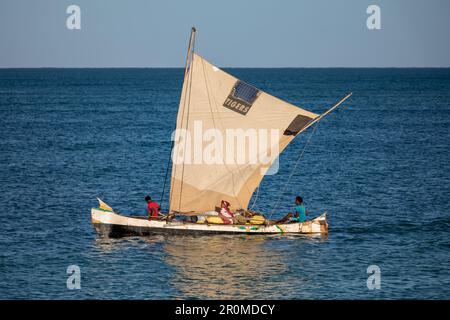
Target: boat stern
(317,225)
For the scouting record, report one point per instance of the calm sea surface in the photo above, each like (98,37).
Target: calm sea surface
(380,167)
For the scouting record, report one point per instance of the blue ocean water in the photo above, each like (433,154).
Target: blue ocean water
(380,167)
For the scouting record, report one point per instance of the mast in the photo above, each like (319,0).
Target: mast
(187,87)
(190,51)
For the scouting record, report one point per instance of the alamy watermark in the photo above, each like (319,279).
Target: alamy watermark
(73,21)
(229,147)
(374,280)
(373,22)
(74,280)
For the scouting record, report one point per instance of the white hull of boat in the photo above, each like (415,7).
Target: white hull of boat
(110,224)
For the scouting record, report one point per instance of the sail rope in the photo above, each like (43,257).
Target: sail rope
(256,198)
(293,170)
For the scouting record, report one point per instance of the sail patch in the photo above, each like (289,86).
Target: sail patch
(241,97)
(296,125)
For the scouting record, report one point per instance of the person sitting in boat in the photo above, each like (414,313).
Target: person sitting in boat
(300,211)
(152,207)
(299,214)
(225,213)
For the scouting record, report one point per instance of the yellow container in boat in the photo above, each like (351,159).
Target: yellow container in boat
(257,220)
(214,219)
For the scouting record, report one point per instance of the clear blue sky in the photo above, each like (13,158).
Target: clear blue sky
(232,33)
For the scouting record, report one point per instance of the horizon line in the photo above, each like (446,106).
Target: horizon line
(237,67)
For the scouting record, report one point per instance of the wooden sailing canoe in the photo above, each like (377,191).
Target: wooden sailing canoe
(215,101)
(107,223)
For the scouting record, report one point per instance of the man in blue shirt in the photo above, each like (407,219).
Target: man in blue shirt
(299,214)
(300,211)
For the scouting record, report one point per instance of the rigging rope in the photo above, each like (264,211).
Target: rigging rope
(293,170)
(256,197)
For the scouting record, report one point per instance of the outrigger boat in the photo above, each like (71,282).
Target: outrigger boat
(212,99)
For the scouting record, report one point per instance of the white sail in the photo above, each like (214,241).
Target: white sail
(214,99)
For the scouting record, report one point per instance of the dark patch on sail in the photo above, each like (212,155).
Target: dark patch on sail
(297,125)
(241,97)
